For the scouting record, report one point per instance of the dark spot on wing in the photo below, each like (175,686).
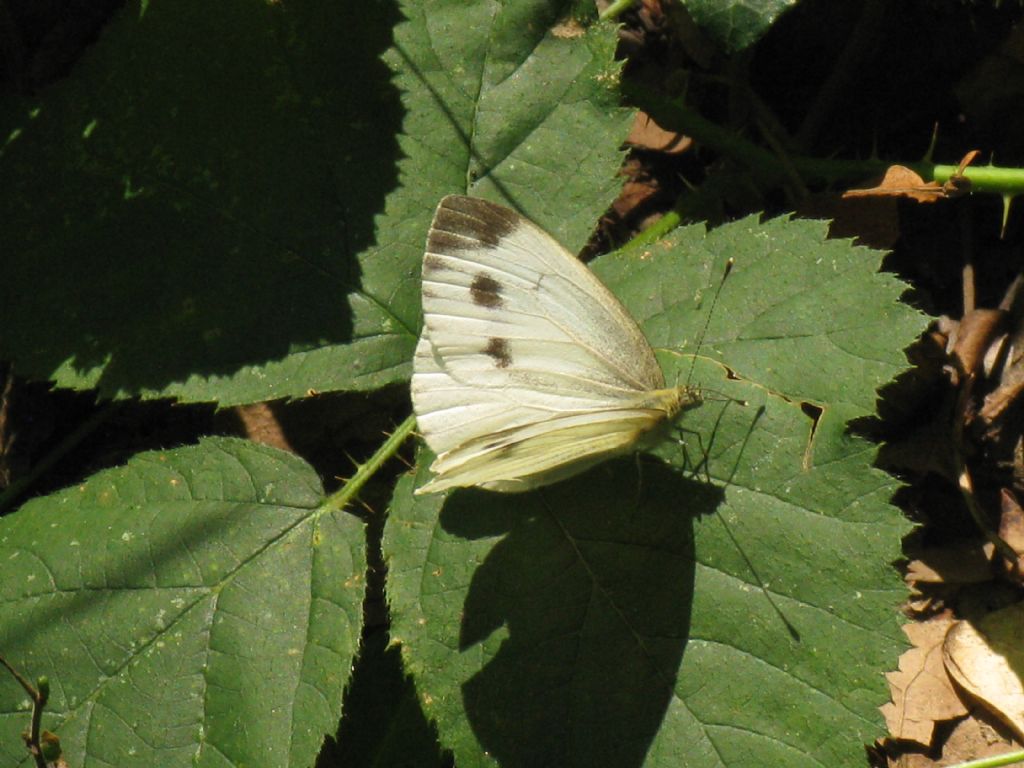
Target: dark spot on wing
(497,350)
(462,223)
(486,291)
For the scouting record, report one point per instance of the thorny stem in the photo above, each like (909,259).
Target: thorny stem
(340,498)
(766,166)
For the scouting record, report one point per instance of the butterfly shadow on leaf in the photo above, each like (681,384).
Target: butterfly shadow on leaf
(582,611)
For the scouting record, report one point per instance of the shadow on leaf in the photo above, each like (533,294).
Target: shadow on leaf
(203,218)
(593,584)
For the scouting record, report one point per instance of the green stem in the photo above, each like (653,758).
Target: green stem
(616,9)
(655,232)
(983,178)
(340,498)
(993,762)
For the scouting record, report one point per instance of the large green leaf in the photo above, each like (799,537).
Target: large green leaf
(736,609)
(238,213)
(194,607)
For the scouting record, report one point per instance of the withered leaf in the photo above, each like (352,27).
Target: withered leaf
(922,693)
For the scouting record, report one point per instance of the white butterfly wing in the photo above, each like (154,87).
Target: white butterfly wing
(538,454)
(518,333)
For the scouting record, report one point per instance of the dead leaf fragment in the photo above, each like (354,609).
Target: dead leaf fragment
(922,693)
(568,29)
(1011,529)
(970,563)
(900,181)
(973,337)
(986,658)
(972,738)
(647,134)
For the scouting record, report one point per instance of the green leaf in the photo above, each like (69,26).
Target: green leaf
(194,607)
(658,618)
(240,216)
(736,24)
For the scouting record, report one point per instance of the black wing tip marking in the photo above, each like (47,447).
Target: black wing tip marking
(467,222)
(432,261)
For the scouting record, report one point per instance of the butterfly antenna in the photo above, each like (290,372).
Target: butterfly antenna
(707,320)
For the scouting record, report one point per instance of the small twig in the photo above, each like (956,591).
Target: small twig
(39,696)
(1009,302)
(967,280)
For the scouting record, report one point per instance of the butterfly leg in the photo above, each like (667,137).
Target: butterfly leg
(688,466)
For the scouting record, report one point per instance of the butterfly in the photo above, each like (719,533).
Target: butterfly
(528,370)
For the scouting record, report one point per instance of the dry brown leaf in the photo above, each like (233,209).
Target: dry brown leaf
(973,738)
(900,181)
(922,693)
(997,402)
(1011,530)
(647,134)
(638,190)
(1011,521)
(986,658)
(971,564)
(973,336)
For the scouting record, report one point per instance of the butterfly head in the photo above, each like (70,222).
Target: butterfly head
(678,399)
